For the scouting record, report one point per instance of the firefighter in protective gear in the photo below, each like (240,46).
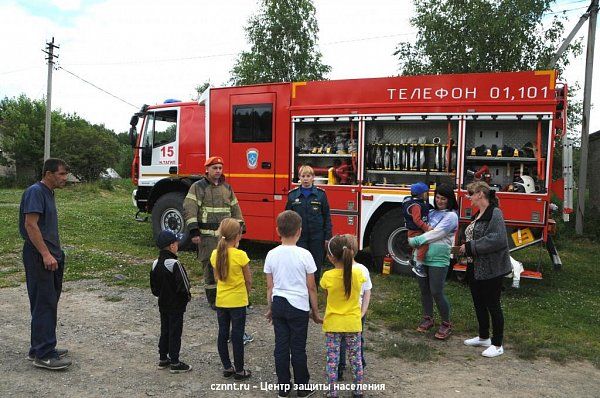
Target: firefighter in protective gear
(310,202)
(209,201)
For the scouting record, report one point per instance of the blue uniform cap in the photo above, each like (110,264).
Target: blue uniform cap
(418,188)
(166,237)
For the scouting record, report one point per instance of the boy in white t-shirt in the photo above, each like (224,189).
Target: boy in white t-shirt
(364,300)
(291,294)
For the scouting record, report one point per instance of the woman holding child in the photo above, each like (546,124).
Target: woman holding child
(444,221)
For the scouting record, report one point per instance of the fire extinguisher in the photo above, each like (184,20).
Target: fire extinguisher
(387,265)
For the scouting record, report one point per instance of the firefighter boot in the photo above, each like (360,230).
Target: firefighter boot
(211,297)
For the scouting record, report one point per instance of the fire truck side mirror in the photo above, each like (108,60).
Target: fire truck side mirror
(133,130)
(132,135)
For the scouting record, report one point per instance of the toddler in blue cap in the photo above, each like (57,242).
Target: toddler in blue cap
(416,213)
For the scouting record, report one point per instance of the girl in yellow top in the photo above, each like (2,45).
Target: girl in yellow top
(234,280)
(342,286)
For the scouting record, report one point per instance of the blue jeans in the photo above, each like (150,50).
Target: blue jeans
(291,326)
(234,318)
(44,288)
(342,365)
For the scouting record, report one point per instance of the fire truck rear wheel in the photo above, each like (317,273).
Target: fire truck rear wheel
(389,235)
(167,213)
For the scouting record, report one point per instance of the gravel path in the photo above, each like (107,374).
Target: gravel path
(112,333)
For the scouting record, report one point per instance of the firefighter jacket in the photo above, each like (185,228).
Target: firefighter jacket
(207,204)
(314,211)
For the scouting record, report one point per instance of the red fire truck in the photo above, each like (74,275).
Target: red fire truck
(368,140)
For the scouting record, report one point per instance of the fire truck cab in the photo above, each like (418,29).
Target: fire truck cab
(367,140)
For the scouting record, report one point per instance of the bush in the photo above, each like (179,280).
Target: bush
(591,223)
(106,184)
(16,182)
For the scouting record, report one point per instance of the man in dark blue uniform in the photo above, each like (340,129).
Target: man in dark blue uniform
(310,202)
(44,263)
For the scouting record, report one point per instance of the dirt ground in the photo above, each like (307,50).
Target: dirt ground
(112,333)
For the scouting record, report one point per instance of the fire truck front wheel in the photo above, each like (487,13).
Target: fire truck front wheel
(167,213)
(389,235)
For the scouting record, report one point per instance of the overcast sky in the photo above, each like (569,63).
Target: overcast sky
(147,51)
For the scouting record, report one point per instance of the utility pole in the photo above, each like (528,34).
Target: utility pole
(585,124)
(50,46)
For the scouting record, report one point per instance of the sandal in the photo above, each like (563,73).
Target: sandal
(228,372)
(245,374)
(426,324)
(444,331)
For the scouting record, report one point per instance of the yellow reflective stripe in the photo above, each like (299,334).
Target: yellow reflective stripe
(191,220)
(234,202)
(191,196)
(208,232)
(217,209)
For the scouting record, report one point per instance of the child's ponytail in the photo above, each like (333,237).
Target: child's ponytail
(227,233)
(342,249)
(222,259)
(347,256)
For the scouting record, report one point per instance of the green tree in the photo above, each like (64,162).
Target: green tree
(88,148)
(22,134)
(123,166)
(283,45)
(199,89)
(460,36)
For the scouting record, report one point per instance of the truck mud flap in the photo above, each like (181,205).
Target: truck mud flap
(139,218)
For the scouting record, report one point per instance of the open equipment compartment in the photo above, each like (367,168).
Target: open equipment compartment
(509,152)
(330,146)
(402,150)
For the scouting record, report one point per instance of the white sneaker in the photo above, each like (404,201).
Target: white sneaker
(478,342)
(493,351)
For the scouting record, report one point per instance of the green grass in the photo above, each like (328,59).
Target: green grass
(556,317)
(414,352)
(113,298)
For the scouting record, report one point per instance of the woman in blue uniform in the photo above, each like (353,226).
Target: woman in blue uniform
(310,202)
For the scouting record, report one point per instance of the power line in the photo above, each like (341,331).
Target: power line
(18,70)
(575,2)
(370,38)
(569,10)
(164,60)
(99,88)
(154,60)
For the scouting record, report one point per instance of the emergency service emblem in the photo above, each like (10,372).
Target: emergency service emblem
(252,158)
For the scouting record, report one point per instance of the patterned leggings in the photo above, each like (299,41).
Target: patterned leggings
(332,343)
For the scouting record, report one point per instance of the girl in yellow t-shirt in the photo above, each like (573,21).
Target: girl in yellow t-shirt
(342,285)
(234,280)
